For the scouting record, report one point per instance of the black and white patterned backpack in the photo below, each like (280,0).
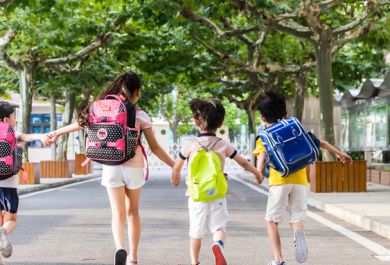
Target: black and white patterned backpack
(111,137)
(11,155)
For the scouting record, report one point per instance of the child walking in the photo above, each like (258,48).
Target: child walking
(124,182)
(208,216)
(286,192)
(9,199)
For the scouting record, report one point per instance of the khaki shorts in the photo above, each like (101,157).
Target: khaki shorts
(287,197)
(207,217)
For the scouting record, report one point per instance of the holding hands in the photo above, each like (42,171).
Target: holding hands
(49,138)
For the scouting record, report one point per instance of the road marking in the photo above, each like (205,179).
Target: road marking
(58,188)
(381,253)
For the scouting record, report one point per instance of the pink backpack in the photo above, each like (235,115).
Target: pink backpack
(111,137)
(11,155)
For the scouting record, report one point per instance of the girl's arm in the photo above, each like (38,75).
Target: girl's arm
(156,148)
(67,129)
(249,167)
(342,156)
(32,137)
(176,177)
(53,136)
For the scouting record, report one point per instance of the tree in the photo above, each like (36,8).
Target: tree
(327,25)
(59,38)
(243,53)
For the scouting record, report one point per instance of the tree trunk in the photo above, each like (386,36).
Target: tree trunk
(66,120)
(324,77)
(26,95)
(251,120)
(300,93)
(81,106)
(53,123)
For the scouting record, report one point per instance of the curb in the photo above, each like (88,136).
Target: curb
(40,187)
(348,216)
(351,217)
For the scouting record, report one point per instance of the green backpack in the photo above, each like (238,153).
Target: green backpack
(206,181)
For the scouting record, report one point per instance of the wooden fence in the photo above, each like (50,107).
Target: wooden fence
(32,173)
(54,169)
(338,177)
(79,169)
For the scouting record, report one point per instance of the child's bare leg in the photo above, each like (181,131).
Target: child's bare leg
(118,209)
(274,236)
(195,244)
(2,213)
(298,225)
(133,221)
(9,222)
(219,235)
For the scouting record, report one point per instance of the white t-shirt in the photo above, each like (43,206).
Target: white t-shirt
(11,182)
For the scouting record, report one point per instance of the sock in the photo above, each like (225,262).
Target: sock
(220,242)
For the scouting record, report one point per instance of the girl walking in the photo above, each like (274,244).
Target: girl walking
(124,182)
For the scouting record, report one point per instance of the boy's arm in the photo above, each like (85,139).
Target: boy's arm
(249,167)
(175,178)
(261,159)
(342,156)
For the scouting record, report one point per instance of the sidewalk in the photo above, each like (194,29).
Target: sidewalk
(48,183)
(368,210)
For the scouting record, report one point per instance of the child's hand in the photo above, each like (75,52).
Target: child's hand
(344,158)
(51,138)
(175,178)
(44,139)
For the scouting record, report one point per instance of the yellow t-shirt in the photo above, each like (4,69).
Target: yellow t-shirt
(298,177)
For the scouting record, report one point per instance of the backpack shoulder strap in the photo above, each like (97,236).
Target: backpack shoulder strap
(213,144)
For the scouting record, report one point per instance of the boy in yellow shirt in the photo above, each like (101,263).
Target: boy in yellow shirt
(286,192)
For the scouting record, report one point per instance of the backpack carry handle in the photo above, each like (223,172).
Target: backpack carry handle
(119,98)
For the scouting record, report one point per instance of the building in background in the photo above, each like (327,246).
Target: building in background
(365,121)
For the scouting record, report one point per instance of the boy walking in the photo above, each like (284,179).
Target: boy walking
(208,215)
(286,192)
(9,199)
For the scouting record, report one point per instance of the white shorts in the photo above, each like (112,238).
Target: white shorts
(287,197)
(207,217)
(118,176)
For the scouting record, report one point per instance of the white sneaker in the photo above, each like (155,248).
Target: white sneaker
(5,245)
(301,251)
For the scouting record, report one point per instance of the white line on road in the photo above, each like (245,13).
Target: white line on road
(381,253)
(57,188)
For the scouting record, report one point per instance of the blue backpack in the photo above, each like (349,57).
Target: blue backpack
(289,146)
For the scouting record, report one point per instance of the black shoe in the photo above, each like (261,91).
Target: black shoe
(120,257)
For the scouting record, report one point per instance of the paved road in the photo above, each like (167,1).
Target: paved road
(71,226)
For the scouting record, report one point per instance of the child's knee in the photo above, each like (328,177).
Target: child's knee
(133,213)
(120,216)
(10,217)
